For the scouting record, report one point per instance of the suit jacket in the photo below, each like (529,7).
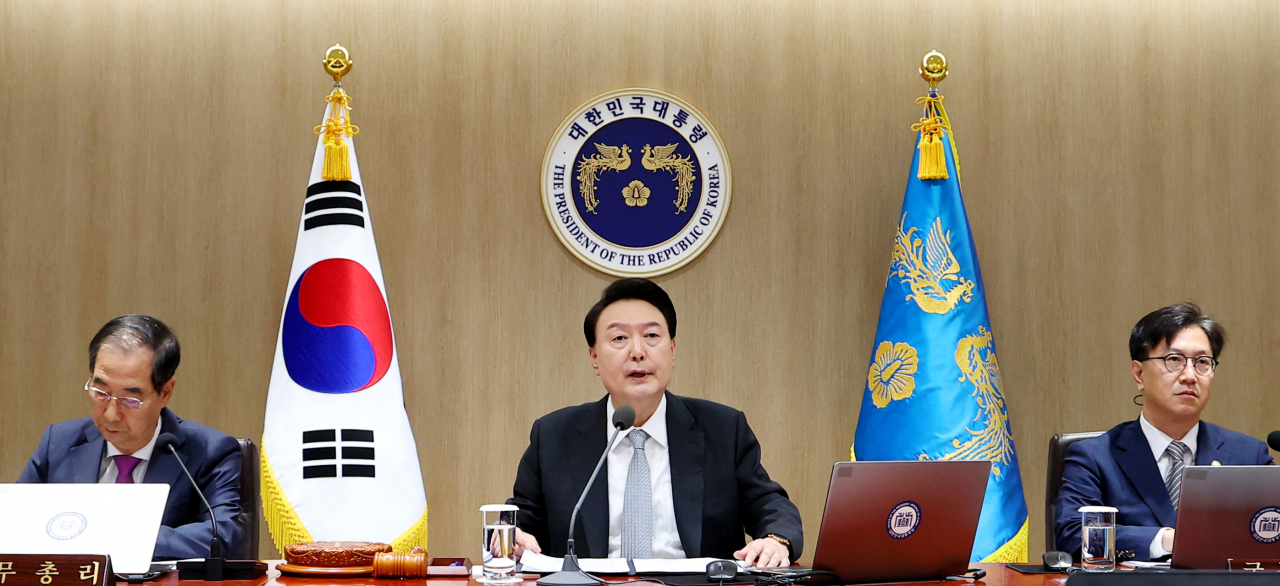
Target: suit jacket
(719,488)
(1116,469)
(72,451)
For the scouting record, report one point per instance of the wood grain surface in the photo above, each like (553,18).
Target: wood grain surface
(1117,157)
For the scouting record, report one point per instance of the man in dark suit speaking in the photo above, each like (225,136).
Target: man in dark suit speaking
(1137,466)
(685,481)
(132,360)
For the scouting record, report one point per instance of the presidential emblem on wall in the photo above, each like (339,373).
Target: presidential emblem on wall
(635,183)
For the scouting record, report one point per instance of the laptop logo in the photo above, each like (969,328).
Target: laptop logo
(64,526)
(1265,526)
(905,518)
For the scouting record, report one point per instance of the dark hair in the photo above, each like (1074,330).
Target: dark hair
(1163,324)
(141,330)
(633,288)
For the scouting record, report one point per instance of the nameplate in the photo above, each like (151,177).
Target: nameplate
(55,570)
(1253,565)
(1172,578)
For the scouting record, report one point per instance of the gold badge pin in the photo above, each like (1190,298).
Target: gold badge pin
(1216,463)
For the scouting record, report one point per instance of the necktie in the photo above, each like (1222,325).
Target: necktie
(126,464)
(1173,483)
(637,504)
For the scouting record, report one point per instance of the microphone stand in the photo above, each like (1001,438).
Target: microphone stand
(570,574)
(214,568)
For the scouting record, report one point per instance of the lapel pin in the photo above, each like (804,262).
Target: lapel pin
(1215,463)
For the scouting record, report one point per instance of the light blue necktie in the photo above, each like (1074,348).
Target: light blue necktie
(637,503)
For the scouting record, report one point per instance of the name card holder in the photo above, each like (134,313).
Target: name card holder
(55,570)
(1253,565)
(1172,578)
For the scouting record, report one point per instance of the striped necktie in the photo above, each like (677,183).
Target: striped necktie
(1173,482)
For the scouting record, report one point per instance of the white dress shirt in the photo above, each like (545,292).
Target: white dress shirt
(666,538)
(1159,442)
(107,470)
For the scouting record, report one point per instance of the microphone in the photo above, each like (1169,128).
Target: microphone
(167,442)
(213,565)
(570,574)
(1273,440)
(214,568)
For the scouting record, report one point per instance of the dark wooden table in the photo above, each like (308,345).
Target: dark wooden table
(997,575)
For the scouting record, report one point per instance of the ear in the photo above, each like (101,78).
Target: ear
(673,352)
(595,363)
(1136,368)
(166,392)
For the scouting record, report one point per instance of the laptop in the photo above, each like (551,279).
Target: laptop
(120,520)
(1227,512)
(900,521)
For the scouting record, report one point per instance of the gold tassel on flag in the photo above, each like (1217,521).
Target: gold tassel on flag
(933,159)
(933,123)
(337,158)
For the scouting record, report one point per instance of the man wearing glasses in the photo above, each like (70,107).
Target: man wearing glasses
(132,360)
(1137,466)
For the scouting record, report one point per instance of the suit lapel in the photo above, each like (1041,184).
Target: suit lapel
(1132,452)
(86,458)
(586,450)
(686,451)
(1209,447)
(163,469)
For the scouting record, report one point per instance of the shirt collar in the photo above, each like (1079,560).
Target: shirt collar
(144,453)
(656,426)
(1159,440)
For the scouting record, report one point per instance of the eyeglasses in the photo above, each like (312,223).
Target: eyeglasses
(1176,363)
(102,397)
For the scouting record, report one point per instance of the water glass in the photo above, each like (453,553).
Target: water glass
(1098,533)
(498,550)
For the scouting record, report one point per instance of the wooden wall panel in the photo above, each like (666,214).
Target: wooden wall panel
(1117,157)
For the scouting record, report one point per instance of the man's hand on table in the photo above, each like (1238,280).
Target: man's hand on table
(765,552)
(524,541)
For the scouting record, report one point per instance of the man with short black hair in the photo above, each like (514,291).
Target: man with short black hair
(685,481)
(1137,466)
(132,360)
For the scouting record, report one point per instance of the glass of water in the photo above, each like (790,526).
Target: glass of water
(1098,532)
(499,546)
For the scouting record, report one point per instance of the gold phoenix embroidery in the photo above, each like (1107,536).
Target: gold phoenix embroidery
(976,358)
(662,158)
(636,194)
(890,377)
(928,267)
(610,158)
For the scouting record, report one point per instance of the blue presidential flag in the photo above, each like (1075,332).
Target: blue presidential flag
(933,390)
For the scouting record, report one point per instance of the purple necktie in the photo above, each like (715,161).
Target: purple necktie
(126,464)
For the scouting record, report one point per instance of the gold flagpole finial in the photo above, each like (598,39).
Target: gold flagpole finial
(337,125)
(337,62)
(933,123)
(933,68)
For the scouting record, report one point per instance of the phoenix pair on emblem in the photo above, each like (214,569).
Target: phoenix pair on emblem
(613,158)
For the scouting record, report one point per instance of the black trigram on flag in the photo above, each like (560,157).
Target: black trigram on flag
(320,453)
(333,203)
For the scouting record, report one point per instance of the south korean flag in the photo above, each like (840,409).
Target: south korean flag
(339,460)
